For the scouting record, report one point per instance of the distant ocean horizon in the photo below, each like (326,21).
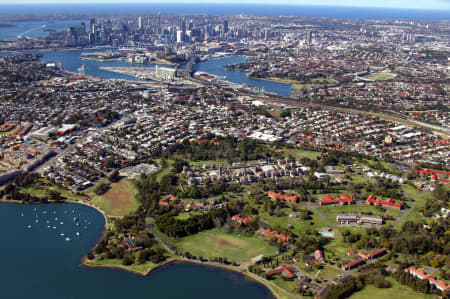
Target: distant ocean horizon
(359,13)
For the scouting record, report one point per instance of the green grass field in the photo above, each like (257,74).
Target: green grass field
(42,191)
(215,243)
(301,153)
(278,79)
(119,200)
(219,162)
(410,190)
(328,272)
(397,291)
(299,226)
(339,248)
(359,179)
(380,76)
(118,262)
(288,285)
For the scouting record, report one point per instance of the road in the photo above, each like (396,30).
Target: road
(405,214)
(52,161)
(312,207)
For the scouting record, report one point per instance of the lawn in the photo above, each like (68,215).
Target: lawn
(301,153)
(315,83)
(42,191)
(397,291)
(288,285)
(299,226)
(278,79)
(185,216)
(328,272)
(410,191)
(359,179)
(162,173)
(331,218)
(119,200)
(380,76)
(235,247)
(219,162)
(34,191)
(339,248)
(143,268)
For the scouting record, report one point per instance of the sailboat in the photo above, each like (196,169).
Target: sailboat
(81,71)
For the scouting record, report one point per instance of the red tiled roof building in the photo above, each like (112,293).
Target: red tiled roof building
(290,198)
(284,270)
(344,200)
(372,200)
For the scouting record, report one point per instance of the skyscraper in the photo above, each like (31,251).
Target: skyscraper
(92,25)
(140,23)
(180,36)
(159,22)
(225,26)
(183,25)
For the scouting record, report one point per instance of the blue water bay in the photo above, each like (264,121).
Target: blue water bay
(39,262)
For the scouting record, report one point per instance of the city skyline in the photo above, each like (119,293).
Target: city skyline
(402,4)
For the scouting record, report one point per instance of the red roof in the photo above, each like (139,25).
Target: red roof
(329,200)
(32,150)
(389,203)
(291,198)
(353,264)
(373,254)
(242,220)
(318,254)
(283,268)
(426,171)
(167,201)
(430,277)
(273,233)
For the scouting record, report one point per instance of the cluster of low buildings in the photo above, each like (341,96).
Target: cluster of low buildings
(382,175)
(106,125)
(245,173)
(21,152)
(362,258)
(172,201)
(435,117)
(389,203)
(433,280)
(366,220)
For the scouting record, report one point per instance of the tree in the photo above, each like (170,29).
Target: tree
(54,195)
(441,193)
(164,163)
(178,165)
(128,259)
(102,188)
(114,177)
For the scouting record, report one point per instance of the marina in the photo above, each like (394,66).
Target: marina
(57,272)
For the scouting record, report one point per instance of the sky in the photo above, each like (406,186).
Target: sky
(418,4)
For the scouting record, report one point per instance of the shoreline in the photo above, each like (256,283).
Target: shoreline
(293,84)
(84,261)
(53,49)
(249,276)
(105,217)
